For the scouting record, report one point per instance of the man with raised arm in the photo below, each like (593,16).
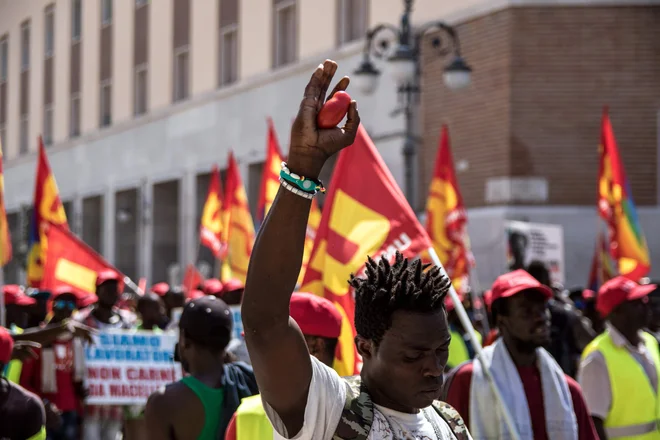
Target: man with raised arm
(402,331)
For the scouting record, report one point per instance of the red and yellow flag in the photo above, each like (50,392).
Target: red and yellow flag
(270,177)
(446,218)
(47,209)
(365,214)
(211,224)
(313,223)
(601,266)
(5,238)
(240,228)
(70,262)
(615,205)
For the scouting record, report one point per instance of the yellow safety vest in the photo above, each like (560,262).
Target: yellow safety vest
(251,420)
(635,412)
(14,368)
(458,351)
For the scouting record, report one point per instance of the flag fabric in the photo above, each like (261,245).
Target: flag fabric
(5,238)
(313,223)
(191,279)
(365,214)
(615,205)
(211,225)
(47,209)
(270,176)
(70,262)
(240,227)
(601,266)
(446,218)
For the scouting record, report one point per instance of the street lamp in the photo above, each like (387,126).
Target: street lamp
(406,69)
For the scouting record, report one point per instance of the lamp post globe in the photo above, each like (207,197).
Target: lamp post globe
(365,77)
(457,74)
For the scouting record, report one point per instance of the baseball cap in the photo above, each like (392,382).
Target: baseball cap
(6,346)
(233,284)
(315,315)
(213,286)
(160,289)
(106,275)
(194,294)
(511,283)
(207,320)
(619,290)
(14,295)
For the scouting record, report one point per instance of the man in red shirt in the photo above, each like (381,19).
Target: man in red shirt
(544,402)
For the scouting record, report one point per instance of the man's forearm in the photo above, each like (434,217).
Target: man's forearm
(276,261)
(44,336)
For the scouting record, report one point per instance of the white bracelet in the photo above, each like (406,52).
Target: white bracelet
(296,191)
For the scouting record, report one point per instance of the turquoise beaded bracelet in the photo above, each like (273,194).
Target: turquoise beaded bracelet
(310,186)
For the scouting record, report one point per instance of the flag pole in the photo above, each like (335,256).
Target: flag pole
(467,325)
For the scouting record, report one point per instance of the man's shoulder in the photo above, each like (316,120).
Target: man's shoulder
(33,405)
(172,394)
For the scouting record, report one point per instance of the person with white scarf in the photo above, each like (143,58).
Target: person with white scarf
(544,402)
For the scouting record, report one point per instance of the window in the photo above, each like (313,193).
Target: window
(48,125)
(139,3)
(181,74)
(76,19)
(352,20)
(23,144)
(3,136)
(49,31)
(106,12)
(285,33)
(106,104)
(25,46)
(4,58)
(140,90)
(228,54)
(74,124)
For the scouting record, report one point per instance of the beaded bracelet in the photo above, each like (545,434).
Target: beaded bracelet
(310,186)
(296,191)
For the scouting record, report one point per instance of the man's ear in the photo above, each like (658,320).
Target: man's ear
(315,346)
(365,347)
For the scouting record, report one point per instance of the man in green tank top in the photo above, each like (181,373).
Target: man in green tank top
(200,405)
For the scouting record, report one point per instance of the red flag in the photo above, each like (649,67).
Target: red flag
(191,279)
(615,205)
(5,238)
(70,262)
(365,214)
(446,218)
(270,176)
(47,209)
(211,224)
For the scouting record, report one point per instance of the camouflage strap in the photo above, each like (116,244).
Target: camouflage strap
(453,419)
(358,414)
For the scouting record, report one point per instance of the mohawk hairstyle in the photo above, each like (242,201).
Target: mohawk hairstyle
(387,288)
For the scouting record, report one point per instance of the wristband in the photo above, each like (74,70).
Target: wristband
(296,191)
(311,186)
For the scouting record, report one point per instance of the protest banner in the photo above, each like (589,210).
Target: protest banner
(237,332)
(527,242)
(124,367)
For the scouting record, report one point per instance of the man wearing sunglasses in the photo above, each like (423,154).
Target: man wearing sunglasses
(57,374)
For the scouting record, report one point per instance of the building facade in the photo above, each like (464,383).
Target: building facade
(136,100)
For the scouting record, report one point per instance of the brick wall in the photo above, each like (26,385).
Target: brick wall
(541,77)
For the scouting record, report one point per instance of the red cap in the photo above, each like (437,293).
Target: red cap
(86,301)
(232,285)
(14,294)
(316,316)
(160,289)
(194,294)
(106,275)
(213,286)
(515,282)
(588,294)
(619,290)
(6,346)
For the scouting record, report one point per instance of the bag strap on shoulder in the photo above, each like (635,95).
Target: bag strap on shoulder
(453,419)
(358,413)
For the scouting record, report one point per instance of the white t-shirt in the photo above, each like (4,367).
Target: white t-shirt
(327,395)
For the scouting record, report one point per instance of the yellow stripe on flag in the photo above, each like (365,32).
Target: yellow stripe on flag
(75,275)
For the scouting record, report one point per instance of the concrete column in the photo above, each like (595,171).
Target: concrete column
(109,217)
(187,218)
(78,215)
(145,228)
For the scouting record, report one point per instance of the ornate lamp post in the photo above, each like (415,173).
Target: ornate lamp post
(405,61)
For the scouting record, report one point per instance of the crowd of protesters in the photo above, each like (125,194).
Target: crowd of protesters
(568,365)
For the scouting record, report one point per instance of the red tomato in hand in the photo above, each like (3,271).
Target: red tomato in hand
(334,110)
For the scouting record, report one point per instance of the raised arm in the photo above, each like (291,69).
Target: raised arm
(277,348)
